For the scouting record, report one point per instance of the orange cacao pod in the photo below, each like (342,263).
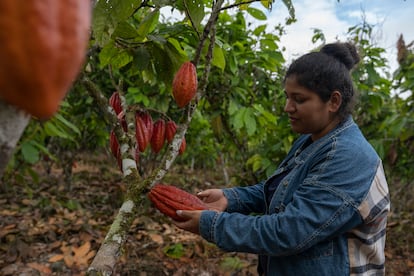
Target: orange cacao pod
(158,136)
(42,48)
(143,129)
(170,130)
(168,199)
(185,84)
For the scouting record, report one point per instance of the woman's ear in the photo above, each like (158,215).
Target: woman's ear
(335,101)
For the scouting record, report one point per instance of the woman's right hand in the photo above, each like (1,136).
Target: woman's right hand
(214,198)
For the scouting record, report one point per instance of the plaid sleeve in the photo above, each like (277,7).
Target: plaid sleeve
(367,242)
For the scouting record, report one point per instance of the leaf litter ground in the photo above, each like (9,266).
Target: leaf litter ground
(46,229)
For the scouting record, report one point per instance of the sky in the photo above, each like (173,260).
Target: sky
(390,18)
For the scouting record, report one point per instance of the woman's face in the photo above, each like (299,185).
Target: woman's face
(307,112)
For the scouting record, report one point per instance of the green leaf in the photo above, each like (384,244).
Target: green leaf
(290,7)
(66,123)
(195,10)
(149,23)
(249,121)
(125,30)
(259,30)
(174,251)
(256,13)
(30,152)
(218,58)
(107,15)
(238,119)
(116,57)
(255,161)
(231,263)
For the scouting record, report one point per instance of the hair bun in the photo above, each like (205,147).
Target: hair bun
(344,52)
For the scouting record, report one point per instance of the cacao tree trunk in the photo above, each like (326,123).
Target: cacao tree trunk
(12,124)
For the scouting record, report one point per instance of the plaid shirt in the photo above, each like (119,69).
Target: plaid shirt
(366,242)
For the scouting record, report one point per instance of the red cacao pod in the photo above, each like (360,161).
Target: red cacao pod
(42,48)
(170,130)
(182,146)
(185,84)
(158,136)
(115,149)
(115,102)
(147,119)
(143,129)
(168,199)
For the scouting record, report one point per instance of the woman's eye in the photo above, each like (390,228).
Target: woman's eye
(299,100)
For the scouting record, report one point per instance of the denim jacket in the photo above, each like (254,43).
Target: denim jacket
(327,216)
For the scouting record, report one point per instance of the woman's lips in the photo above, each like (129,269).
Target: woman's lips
(293,120)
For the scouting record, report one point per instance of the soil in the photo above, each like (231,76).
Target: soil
(49,228)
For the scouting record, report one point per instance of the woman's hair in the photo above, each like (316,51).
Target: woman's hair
(327,71)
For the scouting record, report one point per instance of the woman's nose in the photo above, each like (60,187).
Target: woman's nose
(289,106)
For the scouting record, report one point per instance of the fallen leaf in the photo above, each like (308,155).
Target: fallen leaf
(81,251)
(56,258)
(156,238)
(45,270)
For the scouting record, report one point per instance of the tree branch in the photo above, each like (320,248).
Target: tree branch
(13,122)
(106,257)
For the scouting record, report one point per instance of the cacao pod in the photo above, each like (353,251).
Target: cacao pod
(168,199)
(143,129)
(158,136)
(182,146)
(42,49)
(115,102)
(147,119)
(115,149)
(185,84)
(170,130)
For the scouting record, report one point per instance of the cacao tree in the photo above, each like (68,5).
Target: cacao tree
(143,55)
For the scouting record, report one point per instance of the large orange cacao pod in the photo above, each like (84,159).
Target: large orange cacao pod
(185,84)
(158,136)
(168,199)
(42,48)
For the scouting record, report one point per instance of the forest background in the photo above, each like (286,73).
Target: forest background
(66,186)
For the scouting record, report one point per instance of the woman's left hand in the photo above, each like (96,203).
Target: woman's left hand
(192,221)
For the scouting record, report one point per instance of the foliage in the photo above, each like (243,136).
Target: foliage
(136,48)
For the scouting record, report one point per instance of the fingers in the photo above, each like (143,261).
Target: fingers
(191,220)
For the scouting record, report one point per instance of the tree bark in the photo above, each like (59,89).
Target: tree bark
(12,124)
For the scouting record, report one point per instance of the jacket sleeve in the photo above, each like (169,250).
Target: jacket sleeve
(323,206)
(246,200)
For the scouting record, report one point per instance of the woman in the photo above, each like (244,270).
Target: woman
(324,209)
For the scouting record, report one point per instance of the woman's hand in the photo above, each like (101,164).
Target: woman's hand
(192,221)
(214,199)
